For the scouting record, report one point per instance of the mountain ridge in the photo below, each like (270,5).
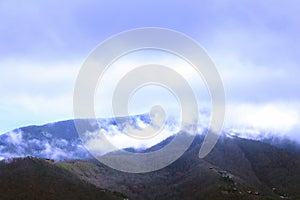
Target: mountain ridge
(236,168)
(60,140)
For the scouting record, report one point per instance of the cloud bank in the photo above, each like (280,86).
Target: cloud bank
(254,44)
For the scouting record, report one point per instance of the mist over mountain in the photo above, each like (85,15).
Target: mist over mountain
(236,168)
(56,141)
(61,141)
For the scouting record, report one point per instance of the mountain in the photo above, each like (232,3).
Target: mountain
(56,141)
(32,178)
(60,140)
(283,143)
(235,169)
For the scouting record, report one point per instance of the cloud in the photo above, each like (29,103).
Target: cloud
(245,120)
(118,139)
(14,137)
(251,82)
(263,120)
(19,144)
(34,78)
(254,45)
(41,92)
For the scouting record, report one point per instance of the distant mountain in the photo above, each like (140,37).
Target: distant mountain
(56,141)
(60,141)
(283,143)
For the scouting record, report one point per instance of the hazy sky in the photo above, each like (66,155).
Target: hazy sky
(254,44)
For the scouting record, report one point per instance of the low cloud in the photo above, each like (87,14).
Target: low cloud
(257,121)
(19,144)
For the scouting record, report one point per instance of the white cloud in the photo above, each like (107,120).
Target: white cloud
(150,95)
(30,79)
(255,119)
(41,92)
(20,144)
(118,138)
(15,137)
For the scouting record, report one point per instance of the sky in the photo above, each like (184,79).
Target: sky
(255,46)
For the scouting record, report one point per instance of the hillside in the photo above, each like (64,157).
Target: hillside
(235,169)
(31,178)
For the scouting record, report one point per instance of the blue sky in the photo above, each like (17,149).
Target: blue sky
(254,44)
